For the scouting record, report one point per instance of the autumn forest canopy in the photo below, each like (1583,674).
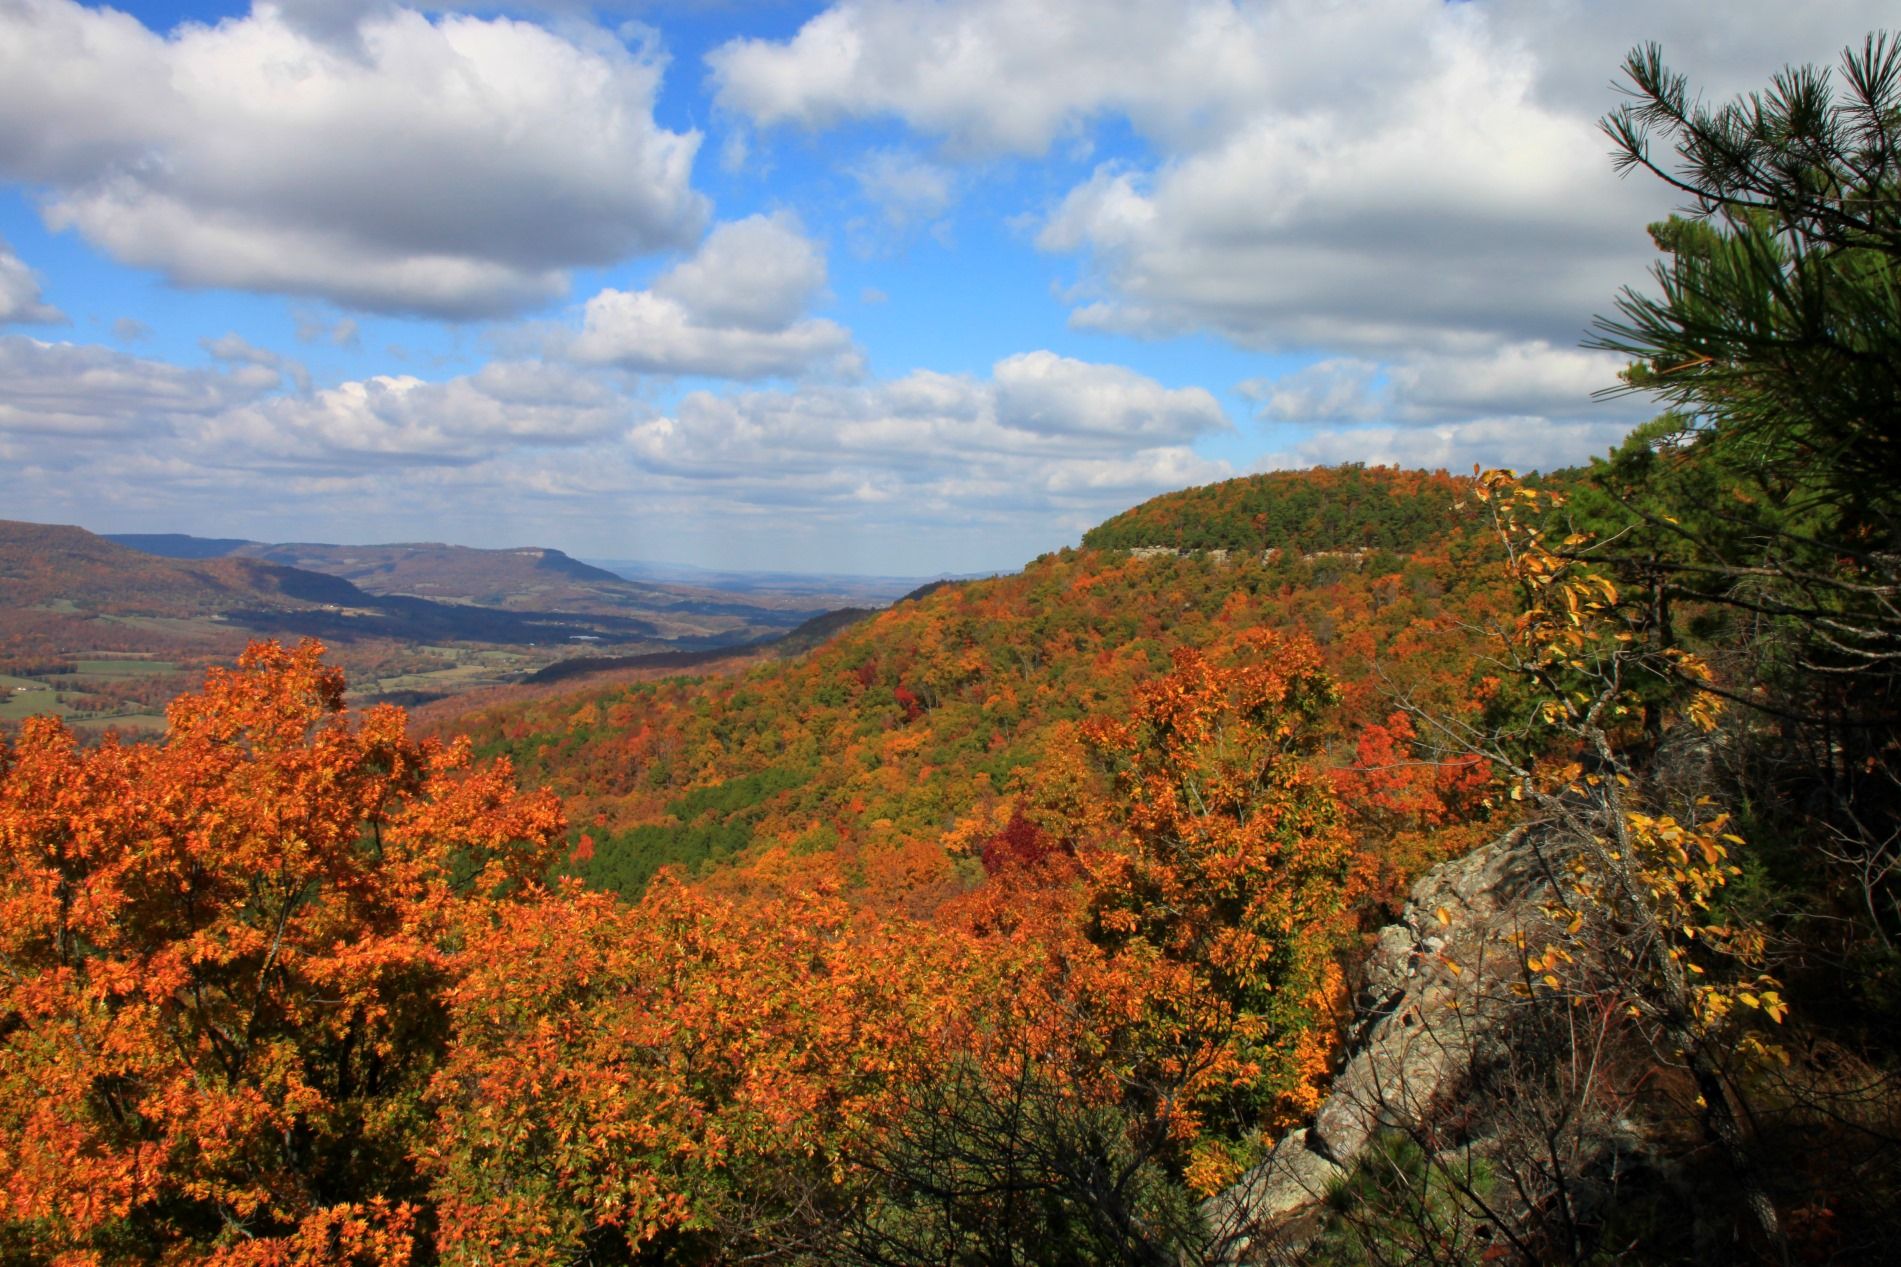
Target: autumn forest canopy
(1021,922)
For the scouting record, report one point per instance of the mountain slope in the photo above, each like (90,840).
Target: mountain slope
(67,595)
(907,737)
(537,579)
(60,567)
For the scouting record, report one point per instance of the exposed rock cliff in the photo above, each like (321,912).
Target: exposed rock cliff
(1437,994)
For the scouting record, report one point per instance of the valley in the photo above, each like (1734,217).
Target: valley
(103,630)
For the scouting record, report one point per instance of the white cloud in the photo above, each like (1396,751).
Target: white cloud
(1338,389)
(1465,211)
(62,392)
(1043,431)
(991,76)
(20,292)
(651,334)
(1370,179)
(731,310)
(75,404)
(455,167)
(405,421)
(1528,379)
(756,274)
(1047,394)
(236,349)
(1516,378)
(1518,443)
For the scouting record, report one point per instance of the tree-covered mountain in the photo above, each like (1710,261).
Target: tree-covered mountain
(905,737)
(1337,509)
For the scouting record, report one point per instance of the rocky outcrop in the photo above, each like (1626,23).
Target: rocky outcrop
(1437,991)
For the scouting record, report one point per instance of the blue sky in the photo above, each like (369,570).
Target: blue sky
(889,286)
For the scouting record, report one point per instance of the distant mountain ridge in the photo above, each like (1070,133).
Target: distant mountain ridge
(704,602)
(66,594)
(412,620)
(67,568)
(178,545)
(521,577)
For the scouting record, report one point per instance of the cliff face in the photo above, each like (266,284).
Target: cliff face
(1437,1001)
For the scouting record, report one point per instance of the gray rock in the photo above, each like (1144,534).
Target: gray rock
(1437,989)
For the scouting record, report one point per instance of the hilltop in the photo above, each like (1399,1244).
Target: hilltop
(1337,508)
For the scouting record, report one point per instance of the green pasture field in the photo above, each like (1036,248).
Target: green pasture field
(123,667)
(21,698)
(188,628)
(468,668)
(129,724)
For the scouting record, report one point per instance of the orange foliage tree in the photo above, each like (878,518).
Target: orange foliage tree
(224,969)
(1231,864)
(681,1077)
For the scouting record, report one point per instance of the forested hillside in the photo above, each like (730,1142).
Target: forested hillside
(891,752)
(1345,508)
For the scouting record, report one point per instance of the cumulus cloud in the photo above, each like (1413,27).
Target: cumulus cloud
(1529,379)
(733,310)
(1363,179)
(1042,431)
(20,292)
(79,404)
(1047,394)
(405,421)
(1521,444)
(991,76)
(1338,389)
(453,166)
(1466,211)
(62,392)
(759,274)
(652,334)
(236,349)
